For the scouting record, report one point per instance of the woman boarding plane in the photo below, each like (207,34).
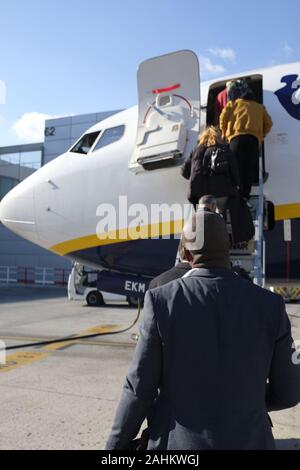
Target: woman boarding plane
(138,154)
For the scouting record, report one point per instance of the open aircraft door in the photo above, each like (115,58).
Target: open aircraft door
(168,110)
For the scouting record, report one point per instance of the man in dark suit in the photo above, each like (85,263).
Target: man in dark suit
(208,345)
(206,203)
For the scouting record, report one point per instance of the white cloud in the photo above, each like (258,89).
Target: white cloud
(208,66)
(287,50)
(223,53)
(31,126)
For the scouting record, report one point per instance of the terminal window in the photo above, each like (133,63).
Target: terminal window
(32,160)
(15,167)
(6,184)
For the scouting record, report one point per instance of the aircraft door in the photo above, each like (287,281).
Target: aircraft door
(168,110)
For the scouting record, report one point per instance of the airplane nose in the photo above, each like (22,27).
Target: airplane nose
(17,212)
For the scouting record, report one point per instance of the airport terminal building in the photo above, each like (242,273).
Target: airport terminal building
(21,260)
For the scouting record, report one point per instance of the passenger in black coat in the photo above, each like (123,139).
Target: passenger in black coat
(208,343)
(195,169)
(223,186)
(179,270)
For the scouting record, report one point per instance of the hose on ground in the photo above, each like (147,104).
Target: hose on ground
(76,338)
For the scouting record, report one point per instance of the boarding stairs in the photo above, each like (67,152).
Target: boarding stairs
(249,257)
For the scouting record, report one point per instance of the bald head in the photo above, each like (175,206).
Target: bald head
(208,202)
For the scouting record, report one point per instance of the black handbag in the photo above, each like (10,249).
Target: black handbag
(241,220)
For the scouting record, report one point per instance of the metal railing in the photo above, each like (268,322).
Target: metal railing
(34,275)
(8,274)
(44,276)
(259,264)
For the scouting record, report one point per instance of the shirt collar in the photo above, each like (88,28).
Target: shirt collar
(210,272)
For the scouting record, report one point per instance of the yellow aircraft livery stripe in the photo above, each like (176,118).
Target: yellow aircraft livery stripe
(118,236)
(282,212)
(287,211)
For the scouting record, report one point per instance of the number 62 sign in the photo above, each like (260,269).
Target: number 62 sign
(49,131)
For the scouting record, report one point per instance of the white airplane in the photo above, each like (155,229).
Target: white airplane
(137,153)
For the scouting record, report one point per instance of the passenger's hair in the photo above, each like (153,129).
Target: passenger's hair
(211,136)
(208,200)
(229,84)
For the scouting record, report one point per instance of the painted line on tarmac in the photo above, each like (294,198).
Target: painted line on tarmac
(25,358)
(21,359)
(93,330)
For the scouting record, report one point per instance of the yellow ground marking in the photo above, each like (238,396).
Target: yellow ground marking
(21,359)
(282,212)
(93,330)
(102,329)
(56,346)
(24,358)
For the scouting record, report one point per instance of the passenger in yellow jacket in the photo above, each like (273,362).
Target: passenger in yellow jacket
(245,123)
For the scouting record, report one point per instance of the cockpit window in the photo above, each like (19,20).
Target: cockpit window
(85,143)
(109,136)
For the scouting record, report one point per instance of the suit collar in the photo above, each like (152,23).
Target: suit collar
(211,272)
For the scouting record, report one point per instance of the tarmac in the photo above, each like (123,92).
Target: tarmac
(64,396)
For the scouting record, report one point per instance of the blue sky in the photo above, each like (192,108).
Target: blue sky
(72,56)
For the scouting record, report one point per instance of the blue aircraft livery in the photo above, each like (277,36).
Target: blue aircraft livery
(289,95)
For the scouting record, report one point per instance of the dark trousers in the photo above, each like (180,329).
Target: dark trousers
(246,150)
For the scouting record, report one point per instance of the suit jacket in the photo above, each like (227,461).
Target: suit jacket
(208,343)
(174,273)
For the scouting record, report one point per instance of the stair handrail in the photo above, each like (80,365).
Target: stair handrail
(259,263)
